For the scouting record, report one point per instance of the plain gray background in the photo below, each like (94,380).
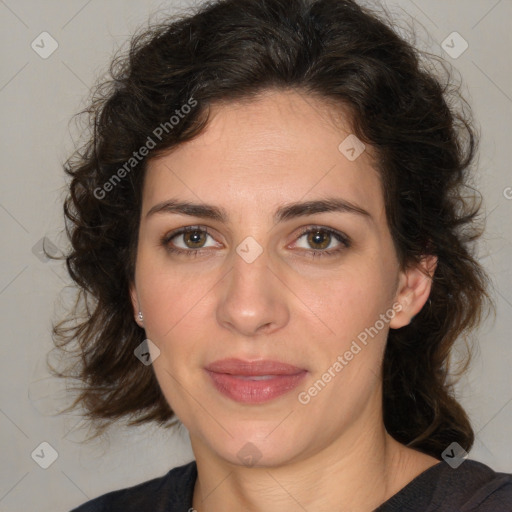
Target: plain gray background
(38,98)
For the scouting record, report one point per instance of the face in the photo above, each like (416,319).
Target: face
(271,319)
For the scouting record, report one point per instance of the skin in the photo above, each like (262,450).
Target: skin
(332,453)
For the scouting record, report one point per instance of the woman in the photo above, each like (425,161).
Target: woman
(271,210)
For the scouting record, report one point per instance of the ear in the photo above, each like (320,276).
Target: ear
(135,304)
(413,291)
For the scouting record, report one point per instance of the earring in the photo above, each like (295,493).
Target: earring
(140,316)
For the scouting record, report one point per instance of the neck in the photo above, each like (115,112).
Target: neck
(357,471)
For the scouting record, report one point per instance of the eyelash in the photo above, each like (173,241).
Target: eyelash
(314,253)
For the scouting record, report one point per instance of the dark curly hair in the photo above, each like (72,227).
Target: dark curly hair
(400,103)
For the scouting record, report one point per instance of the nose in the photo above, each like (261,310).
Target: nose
(253,298)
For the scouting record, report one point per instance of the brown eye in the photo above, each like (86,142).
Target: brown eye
(318,239)
(188,241)
(321,241)
(194,239)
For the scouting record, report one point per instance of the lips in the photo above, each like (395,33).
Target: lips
(250,368)
(254,382)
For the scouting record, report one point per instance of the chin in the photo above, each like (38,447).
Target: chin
(256,445)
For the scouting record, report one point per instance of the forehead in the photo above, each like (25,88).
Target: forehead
(263,152)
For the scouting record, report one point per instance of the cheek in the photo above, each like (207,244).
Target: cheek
(347,301)
(351,307)
(174,303)
(170,295)
(179,300)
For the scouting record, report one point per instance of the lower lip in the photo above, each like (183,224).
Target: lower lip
(249,391)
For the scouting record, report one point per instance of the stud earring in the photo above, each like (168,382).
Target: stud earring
(140,316)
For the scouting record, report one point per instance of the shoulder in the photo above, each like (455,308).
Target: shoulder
(169,493)
(472,487)
(477,487)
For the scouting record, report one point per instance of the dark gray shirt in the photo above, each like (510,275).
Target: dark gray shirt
(472,487)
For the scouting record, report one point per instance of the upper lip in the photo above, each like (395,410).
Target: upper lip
(253,368)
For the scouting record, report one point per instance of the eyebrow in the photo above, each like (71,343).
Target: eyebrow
(283,213)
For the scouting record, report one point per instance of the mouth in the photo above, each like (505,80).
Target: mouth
(254,382)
